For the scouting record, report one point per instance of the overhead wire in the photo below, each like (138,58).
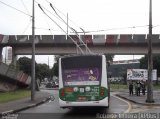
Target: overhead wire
(45,29)
(25,6)
(64,15)
(61,28)
(103,30)
(48,25)
(49,11)
(26,28)
(70,28)
(14,8)
(66,24)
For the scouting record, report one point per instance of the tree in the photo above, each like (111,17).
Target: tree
(156,63)
(109,58)
(42,71)
(54,70)
(24,64)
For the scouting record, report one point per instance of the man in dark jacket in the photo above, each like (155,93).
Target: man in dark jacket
(130,89)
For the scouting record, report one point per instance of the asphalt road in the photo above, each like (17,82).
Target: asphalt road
(51,110)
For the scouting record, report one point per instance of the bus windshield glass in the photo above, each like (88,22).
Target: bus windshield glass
(82,70)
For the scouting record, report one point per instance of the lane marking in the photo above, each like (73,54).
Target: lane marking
(129,104)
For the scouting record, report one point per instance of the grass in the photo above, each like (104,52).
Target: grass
(156,87)
(14,95)
(118,86)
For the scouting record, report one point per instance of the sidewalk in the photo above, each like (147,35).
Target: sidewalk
(18,105)
(142,98)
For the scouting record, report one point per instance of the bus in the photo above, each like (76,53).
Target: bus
(83,81)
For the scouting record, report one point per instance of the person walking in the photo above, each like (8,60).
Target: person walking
(130,89)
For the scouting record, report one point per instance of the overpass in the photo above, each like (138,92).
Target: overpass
(62,44)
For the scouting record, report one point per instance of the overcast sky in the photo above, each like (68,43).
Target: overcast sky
(95,16)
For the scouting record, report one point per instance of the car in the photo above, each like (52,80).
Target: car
(49,85)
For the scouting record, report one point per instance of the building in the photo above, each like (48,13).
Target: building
(7,57)
(117,71)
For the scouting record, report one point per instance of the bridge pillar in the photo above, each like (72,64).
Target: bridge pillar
(14,57)
(1,56)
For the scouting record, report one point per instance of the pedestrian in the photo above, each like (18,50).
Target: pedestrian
(143,88)
(131,89)
(138,88)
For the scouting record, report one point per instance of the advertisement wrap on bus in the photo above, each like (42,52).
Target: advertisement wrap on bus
(83,83)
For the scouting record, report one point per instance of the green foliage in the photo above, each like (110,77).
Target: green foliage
(54,70)
(24,64)
(109,58)
(14,95)
(144,62)
(156,63)
(42,71)
(118,87)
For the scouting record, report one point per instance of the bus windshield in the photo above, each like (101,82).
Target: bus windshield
(82,70)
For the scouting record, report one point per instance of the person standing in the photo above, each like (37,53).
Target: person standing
(131,89)
(143,88)
(138,88)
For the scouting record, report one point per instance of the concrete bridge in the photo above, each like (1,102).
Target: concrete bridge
(62,44)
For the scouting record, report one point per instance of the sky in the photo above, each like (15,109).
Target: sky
(94,16)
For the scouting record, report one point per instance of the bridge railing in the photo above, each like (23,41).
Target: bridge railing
(104,39)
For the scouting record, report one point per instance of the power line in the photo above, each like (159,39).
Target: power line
(71,28)
(27,26)
(48,25)
(48,11)
(60,28)
(45,29)
(25,6)
(55,8)
(15,8)
(102,30)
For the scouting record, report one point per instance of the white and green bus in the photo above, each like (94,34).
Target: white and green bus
(83,81)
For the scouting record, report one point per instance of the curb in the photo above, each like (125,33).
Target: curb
(24,108)
(146,104)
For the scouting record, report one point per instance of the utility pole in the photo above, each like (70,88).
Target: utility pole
(150,61)
(33,56)
(67,24)
(49,76)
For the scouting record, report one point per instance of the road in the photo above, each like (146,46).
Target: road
(51,110)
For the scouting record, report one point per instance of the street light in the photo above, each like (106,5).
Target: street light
(150,62)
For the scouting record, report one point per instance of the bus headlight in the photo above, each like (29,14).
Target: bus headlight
(88,89)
